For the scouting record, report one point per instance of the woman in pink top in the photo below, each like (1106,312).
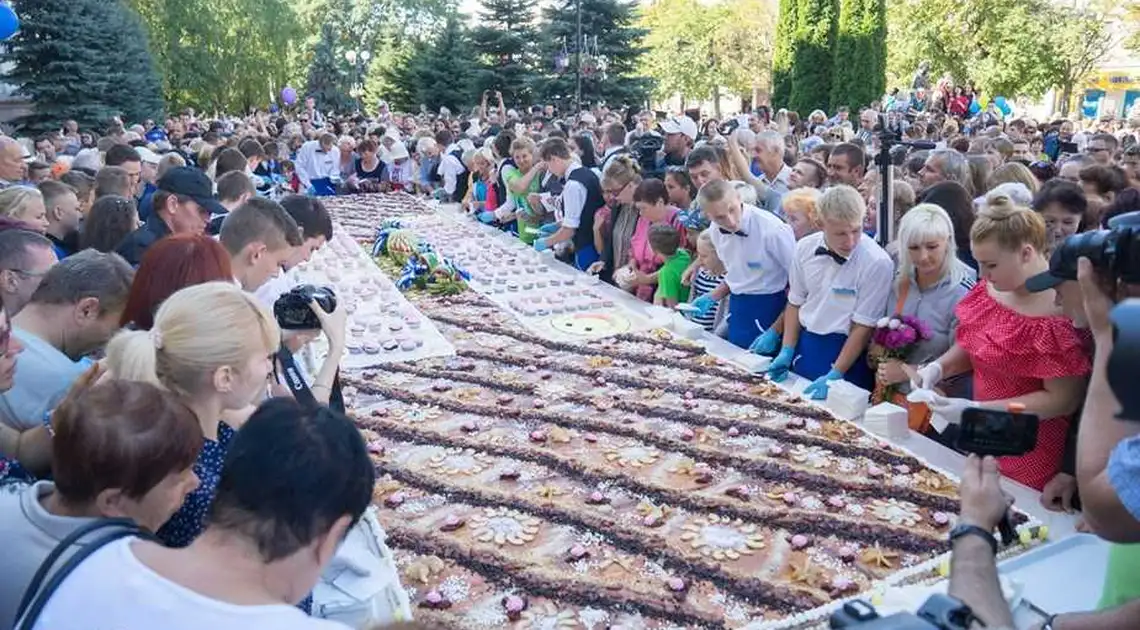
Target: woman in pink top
(652,201)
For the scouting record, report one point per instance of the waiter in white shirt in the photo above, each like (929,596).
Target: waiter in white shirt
(839,285)
(318,165)
(757,250)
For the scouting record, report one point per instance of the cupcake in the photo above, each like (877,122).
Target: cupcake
(371,347)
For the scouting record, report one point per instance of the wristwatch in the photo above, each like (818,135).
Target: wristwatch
(1048,625)
(963,529)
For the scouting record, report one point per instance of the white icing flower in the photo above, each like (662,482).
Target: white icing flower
(896,512)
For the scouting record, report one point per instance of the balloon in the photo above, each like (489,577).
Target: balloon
(273,108)
(975,108)
(1003,105)
(9,22)
(289,96)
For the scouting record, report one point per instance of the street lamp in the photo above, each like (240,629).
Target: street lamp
(357,59)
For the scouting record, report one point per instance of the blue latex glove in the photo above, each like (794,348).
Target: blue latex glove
(818,388)
(779,367)
(486,217)
(767,343)
(540,245)
(549,228)
(705,305)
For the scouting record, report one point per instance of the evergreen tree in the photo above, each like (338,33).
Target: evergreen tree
(784,50)
(435,74)
(328,81)
(71,70)
(504,42)
(618,41)
(860,71)
(814,55)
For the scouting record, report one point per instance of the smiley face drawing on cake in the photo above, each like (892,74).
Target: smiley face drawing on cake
(590,324)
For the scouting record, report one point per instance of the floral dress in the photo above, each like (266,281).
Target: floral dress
(1013,355)
(190,519)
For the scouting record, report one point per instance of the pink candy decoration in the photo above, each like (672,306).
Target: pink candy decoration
(799,541)
(688,434)
(539,403)
(675,584)
(600,380)
(733,431)
(649,521)
(689,395)
(597,497)
(874,471)
(538,435)
(590,437)
(941,518)
(514,604)
(790,498)
(848,552)
(578,551)
(433,597)
(837,502)
(775,451)
(841,583)
(902,469)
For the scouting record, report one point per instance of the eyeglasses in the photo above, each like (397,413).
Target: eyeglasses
(610,192)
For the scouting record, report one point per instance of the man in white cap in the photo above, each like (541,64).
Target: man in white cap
(149,176)
(680,134)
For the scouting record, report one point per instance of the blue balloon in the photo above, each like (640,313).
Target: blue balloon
(974,108)
(1002,105)
(273,108)
(9,22)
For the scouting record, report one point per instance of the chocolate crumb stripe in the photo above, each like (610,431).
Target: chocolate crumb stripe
(638,382)
(763,468)
(592,349)
(668,343)
(821,525)
(752,590)
(551,584)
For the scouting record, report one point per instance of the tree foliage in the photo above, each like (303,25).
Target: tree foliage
(221,55)
(328,81)
(73,71)
(1006,47)
(814,54)
(505,44)
(783,54)
(859,75)
(619,40)
(695,48)
(435,73)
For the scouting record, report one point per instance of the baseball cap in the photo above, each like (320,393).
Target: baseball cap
(191,182)
(1062,267)
(680,124)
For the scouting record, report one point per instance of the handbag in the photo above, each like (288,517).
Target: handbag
(361,585)
(39,592)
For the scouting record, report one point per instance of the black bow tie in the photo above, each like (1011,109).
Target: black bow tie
(736,233)
(823,251)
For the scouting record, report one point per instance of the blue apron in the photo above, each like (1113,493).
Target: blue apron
(585,257)
(322,187)
(815,353)
(747,311)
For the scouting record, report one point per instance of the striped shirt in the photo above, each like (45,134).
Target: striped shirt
(703,283)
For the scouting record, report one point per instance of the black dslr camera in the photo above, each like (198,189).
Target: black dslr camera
(645,150)
(292,309)
(940,612)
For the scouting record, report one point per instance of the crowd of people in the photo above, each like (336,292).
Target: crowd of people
(140,365)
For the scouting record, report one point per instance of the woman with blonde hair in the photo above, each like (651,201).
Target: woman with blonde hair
(1012,173)
(25,204)
(801,208)
(615,223)
(522,179)
(210,346)
(929,282)
(1019,347)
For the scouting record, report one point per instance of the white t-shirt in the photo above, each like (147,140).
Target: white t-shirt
(832,296)
(758,256)
(112,590)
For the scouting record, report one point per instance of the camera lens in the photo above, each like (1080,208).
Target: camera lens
(1098,246)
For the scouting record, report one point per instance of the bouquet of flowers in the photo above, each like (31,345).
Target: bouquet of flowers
(895,337)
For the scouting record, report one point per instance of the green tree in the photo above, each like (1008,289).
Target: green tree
(784,53)
(328,80)
(73,71)
(505,43)
(813,55)
(435,73)
(859,75)
(1082,39)
(222,55)
(609,26)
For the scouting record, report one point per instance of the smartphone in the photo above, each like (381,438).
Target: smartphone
(1068,147)
(997,433)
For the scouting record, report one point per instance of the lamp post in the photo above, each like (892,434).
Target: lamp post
(357,59)
(578,64)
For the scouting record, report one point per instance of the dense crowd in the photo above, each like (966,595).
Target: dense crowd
(140,372)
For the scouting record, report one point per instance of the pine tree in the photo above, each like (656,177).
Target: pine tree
(618,41)
(71,70)
(328,81)
(784,50)
(435,74)
(860,71)
(504,42)
(814,55)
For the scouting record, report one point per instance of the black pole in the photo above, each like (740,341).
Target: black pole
(578,64)
(886,225)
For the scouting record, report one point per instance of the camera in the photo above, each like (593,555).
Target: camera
(645,150)
(729,126)
(292,310)
(1114,252)
(997,433)
(939,612)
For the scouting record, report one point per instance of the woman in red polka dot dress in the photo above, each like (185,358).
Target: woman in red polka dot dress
(1021,348)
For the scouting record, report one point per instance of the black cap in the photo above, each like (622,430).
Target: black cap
(1062,267)
(191,182)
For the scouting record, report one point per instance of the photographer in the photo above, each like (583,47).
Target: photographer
(299,331)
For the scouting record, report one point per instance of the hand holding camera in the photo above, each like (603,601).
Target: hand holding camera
(333,324)
(983,502)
